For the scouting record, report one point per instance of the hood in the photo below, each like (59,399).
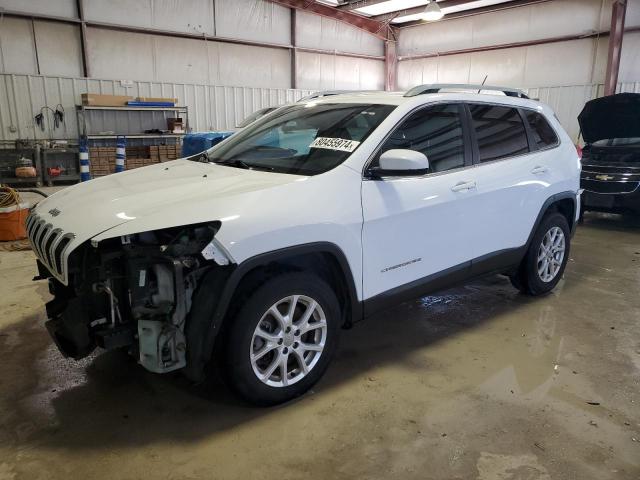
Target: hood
(615,116)
(90,208)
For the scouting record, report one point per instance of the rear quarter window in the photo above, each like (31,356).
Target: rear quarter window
(544,136)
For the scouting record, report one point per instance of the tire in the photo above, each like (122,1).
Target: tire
(532,278)
(278,347)
(581,216)
(516,281)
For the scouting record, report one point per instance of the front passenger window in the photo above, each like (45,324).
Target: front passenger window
(435,131)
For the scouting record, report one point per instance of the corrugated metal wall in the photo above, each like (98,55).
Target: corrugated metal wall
(49,48)
(315,31)
(158,64)
(532,22)
(563,74)
(570,62)
(335,72)
(328,72)
(567,101)
(211,107)
(553,64)
(146,57)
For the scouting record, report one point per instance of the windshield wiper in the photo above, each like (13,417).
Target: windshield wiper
(244,165)
(237,163)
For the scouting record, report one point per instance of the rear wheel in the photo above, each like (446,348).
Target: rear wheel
(546,258)
(282,339)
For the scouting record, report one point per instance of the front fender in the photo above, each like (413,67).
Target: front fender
(212,300)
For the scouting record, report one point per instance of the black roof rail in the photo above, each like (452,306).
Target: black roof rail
(437,87)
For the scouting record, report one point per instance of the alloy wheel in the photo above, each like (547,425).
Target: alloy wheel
(551,254)
(288,341)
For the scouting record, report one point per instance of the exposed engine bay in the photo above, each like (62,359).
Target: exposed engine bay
(133,292)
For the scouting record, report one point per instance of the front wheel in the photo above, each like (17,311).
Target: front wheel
(282,339)
(546,258)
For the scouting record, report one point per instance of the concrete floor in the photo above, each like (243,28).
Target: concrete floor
(479,382)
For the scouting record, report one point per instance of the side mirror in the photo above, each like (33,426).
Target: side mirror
(401,163)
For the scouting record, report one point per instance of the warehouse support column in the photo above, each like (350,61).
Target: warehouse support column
(83,38)
(616,34)
(294,53)
(390,65)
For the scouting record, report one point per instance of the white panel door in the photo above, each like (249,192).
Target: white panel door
(415,226)
(510,183)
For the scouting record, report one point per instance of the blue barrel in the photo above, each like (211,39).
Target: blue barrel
(121,143)
(85,173)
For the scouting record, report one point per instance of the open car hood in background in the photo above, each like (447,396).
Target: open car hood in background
(615,116)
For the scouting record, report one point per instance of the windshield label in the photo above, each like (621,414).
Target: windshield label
(335,144)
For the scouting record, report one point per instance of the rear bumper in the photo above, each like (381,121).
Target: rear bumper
(611,202)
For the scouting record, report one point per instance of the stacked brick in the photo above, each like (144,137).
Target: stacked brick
(102,160)
(164,153)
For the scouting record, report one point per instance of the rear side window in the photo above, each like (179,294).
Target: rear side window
(499,130)
(435,131)
(543,135)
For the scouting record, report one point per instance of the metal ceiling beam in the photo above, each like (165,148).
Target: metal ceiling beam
(502,46)
(374,27)
(174,34)
(354,4)
(618,14)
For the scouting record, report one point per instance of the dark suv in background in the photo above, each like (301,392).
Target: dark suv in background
(611,155)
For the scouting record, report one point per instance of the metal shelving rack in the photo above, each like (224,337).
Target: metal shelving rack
(81,111)
(68,158)
(8,159)
(141,135)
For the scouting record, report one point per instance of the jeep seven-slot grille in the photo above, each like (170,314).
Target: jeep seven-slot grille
(48,243)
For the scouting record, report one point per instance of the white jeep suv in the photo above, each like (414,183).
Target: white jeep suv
(251,256)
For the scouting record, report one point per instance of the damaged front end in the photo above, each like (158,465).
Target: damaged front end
(133,292)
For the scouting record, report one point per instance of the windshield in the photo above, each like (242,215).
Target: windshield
(255,116)
(302,139)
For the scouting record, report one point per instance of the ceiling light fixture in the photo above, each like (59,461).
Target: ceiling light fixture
(432,12)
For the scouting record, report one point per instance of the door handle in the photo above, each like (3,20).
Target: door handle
(463,186)
(539,170)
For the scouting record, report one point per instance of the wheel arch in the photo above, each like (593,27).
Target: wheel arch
(220,287)
(564,203)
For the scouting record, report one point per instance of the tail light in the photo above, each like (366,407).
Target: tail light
(579,150)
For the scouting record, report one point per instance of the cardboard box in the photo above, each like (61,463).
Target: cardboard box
(97,100)
(158,99)
(175,125)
